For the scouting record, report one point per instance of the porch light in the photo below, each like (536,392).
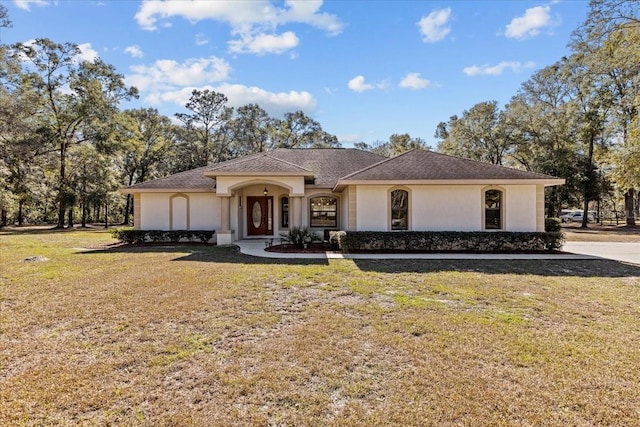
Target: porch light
(266,192)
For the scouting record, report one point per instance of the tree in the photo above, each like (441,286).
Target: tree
(208,112)
(249,130)
(546,136)
(482,133)
(5,22)
(147,140)
(298,130)
(608,43)
(397,144)
(77,101)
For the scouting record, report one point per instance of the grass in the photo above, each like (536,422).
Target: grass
(180,336)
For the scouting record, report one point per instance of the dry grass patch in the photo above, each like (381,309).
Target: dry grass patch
(206,336)
(601,233)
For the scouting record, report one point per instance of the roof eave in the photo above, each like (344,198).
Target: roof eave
(547,182)
(134,190)
(213,174)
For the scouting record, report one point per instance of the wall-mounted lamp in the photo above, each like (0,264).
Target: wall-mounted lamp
(266,192)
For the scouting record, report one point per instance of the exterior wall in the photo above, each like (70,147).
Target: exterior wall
(521,208)
(204,211)
(227,184)
(371,202)
(156,211)
(446,207)
(362,207)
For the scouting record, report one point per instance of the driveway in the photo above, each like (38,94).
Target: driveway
(626,252)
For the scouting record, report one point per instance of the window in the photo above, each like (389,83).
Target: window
(324,212)
(493,210)
(399,210)
(284,212)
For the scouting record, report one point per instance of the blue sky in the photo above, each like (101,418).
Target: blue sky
(363,69)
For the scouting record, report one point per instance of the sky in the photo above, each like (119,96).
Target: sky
(363,69)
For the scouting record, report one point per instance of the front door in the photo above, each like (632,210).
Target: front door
(259,216)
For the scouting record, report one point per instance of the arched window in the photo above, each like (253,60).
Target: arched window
(493,210)
(399,210)
(284,212)
(324,211)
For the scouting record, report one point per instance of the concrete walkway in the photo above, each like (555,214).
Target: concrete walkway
(255,247)
(618,251)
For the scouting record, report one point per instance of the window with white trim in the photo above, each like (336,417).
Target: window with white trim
(399,210)
(493,210)
(324,211)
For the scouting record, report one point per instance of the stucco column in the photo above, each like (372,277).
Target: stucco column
(296,206)
(225,236)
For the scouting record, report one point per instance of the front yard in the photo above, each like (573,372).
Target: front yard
(199,335)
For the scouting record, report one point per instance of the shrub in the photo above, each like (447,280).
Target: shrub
(450,241)
(552,225)
(130,236)
(301,235)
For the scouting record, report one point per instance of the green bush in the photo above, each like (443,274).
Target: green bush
(450,241)
(301,235)
(130,236)
(552,225)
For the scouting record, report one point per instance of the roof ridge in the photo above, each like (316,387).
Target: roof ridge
(237,160)
(287,162)
(380,162)
(490,164)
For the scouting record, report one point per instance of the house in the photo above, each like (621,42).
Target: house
(263,194)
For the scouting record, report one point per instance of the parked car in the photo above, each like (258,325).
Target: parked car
(576,216)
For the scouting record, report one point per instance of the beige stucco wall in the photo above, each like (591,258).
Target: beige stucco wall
(446,207)
(228,184)
(362,207)
(156,213)
(521,208)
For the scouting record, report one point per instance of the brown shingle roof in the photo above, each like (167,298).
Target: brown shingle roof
(193,179)
(261,163)
(328,164)
(417,164)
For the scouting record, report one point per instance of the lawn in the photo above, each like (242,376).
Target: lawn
(200,335)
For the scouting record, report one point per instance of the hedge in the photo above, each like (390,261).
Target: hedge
(129,235)
(450,241)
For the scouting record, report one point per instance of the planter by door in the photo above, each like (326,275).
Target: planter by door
(260,216)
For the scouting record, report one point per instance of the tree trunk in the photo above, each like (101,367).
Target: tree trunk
(20,214)
(629,199)
(84,214)
(70,216)
(106,214)
(62,187)
(127,209)
(3,218)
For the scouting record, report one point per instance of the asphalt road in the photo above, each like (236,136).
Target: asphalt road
(626,252)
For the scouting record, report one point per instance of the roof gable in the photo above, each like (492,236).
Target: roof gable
(262,163)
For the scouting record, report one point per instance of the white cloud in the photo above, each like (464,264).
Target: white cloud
(414,81)
(434,26)
(530,23)
(167,73)
(26,4)
(87,53)
(134,51)
(254,22)
(276,104)
(357,84)
(201,39)
(496,70)
(264,43)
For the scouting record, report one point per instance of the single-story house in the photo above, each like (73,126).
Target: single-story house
(265,194)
